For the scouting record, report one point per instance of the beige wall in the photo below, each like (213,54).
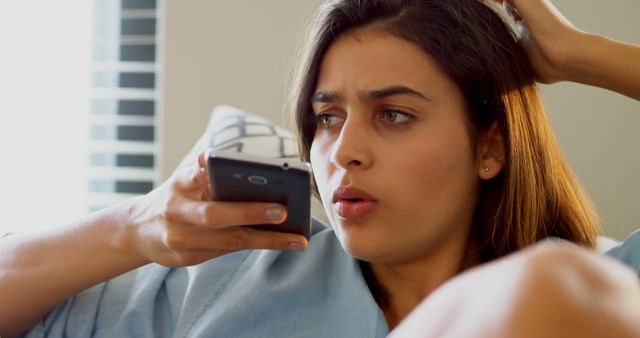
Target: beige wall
(598,129)
(238,53)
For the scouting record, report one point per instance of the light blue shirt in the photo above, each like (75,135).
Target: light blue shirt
(628,252)
(319,292)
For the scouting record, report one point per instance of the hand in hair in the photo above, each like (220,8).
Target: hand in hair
(544,36)
(561,52)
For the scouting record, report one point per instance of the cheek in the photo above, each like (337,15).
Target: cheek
(438,178)
(321,168)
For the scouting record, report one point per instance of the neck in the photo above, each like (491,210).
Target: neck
(400,287)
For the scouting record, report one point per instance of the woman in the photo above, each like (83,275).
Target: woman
(459,166)
(458,169)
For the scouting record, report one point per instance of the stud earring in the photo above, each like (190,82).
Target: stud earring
(486,169)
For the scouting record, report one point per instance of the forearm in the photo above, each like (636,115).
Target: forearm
(606,63)
(38,270)
(174,225)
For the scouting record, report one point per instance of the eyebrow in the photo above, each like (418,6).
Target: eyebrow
(370,95)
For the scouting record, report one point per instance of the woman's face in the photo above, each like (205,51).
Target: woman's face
(391,155)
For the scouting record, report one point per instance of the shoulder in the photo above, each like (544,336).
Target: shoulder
(628,252)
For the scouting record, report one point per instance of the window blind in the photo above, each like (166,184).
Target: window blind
(124,110)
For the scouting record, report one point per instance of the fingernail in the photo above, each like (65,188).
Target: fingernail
(274,214)
(296,246)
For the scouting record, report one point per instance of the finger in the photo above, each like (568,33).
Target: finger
(540,13)
(202,162)
(197,256)
(218,214)
(193,257)
(189,238)
(513,11)
(203,176)
(192,176)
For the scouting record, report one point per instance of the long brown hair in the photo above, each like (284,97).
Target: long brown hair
(536,195)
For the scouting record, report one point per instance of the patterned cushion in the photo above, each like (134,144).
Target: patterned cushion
(235,130)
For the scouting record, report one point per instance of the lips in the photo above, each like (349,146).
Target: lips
(352,202)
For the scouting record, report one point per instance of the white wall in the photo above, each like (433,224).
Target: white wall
(239,53)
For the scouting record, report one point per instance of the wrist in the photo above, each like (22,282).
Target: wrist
(121,229)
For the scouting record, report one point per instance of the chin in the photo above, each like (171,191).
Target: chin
(369,247)
(368,238)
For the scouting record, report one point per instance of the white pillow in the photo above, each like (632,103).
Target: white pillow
(232,129)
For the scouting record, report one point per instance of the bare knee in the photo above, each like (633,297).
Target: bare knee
(573,291)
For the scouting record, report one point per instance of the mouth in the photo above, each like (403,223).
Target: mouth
(351,194)
(354,208)
(351,202)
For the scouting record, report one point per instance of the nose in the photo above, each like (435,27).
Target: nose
(351,149)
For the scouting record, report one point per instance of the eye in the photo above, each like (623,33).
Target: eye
(325,121)
(393,116)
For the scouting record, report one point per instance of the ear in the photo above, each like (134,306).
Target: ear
(490,153)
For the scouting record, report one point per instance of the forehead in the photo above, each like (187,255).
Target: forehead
(368,59)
